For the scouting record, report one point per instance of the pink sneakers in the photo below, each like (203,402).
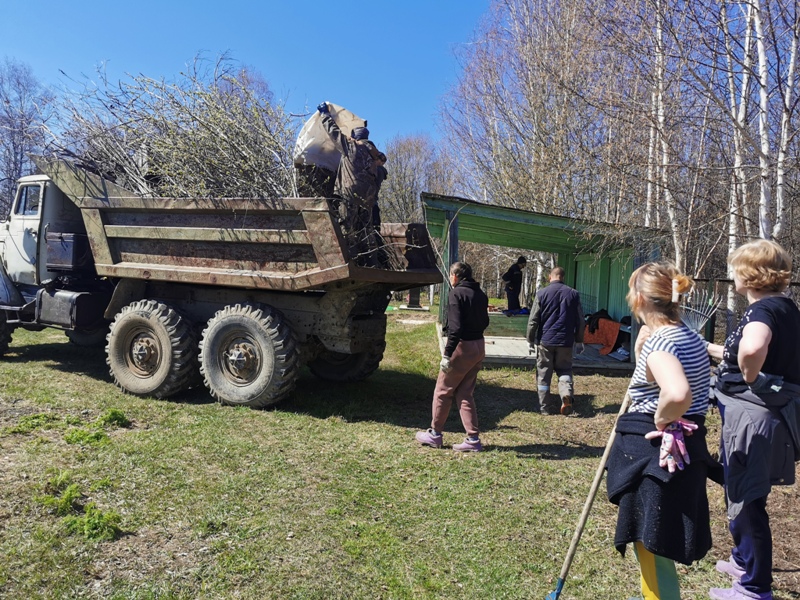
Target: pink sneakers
(730,568)
(468,445)
(429,438)
(737,592)
(434,440)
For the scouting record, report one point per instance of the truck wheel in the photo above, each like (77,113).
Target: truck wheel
(90,338)
(152,349)
(335,366)
(5,334)
(248,356)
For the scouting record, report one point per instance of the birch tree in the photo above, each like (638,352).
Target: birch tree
(415,165)
(25,107)
(680,116)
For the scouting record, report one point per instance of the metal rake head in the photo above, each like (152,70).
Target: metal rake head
(698,306)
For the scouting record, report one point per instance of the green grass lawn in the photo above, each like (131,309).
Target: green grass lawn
(324,496)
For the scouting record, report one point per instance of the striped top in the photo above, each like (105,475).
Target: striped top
(690,350)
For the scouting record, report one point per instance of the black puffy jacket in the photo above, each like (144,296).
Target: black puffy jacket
(467,314)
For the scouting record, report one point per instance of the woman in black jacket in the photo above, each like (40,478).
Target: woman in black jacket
(467,318)
(758,394)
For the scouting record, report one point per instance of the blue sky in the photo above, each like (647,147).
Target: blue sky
(388,62)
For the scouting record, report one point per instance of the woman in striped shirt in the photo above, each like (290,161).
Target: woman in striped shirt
(657,476)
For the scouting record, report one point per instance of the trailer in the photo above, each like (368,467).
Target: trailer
(236,293)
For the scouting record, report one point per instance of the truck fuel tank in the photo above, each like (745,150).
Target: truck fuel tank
(69,309)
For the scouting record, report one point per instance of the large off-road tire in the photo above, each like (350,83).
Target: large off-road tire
(335,366)
(89,338)
(249,356)
(5,333)
(152,349)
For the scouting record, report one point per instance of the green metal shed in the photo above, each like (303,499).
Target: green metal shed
(598,258)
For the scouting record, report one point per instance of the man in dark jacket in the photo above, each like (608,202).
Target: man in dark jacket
(356,181)
(555,324)
(513,279)
(467,318)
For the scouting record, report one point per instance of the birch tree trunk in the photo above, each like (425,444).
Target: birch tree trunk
(738,114)
(669,199)
(785,135)
(765,199)
(651,163)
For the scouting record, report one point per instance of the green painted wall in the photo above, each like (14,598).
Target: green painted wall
(603,282)
(621,267)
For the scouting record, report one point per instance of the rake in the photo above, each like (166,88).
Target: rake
(598,477)
(698,307)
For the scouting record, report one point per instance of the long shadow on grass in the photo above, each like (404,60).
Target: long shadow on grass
(398,398)
(77,360)
(553,451)
(404,400)
(64,357)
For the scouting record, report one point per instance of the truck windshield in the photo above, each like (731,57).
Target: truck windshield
(29,197)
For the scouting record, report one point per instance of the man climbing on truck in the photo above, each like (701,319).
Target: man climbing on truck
(356,184)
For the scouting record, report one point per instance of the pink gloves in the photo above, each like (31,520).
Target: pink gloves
(673,447)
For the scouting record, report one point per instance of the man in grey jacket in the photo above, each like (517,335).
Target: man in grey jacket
(554,326)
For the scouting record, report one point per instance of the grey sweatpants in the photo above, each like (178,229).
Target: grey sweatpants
(549,359)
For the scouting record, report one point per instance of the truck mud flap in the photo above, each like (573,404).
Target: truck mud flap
(358,335)
(9,294)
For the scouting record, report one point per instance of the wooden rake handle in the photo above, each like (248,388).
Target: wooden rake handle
(598,477)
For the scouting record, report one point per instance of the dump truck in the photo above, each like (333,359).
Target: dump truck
(236,294)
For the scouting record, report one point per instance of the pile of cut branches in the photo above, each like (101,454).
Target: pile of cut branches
(215,131)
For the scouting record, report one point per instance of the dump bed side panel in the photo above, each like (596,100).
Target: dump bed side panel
(290,244)
(241,243)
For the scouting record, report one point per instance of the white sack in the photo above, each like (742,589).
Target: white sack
(314,147)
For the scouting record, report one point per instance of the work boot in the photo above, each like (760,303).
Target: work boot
(566,405)
(730,568)
(737,592)
(469,445)
(429,438)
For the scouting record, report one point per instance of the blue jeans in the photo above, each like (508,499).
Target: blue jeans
(752,550)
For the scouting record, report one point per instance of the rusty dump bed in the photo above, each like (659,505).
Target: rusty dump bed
(288,244)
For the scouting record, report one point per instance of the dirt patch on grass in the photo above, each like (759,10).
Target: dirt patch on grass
(146,556)
(12,410)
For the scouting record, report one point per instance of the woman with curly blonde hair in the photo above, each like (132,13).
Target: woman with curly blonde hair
(660,488)
(758,394)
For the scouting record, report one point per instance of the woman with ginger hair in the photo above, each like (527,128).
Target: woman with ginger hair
(655,475)
(758,394)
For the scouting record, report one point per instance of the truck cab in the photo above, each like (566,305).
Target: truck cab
(39,207)
(47,276)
